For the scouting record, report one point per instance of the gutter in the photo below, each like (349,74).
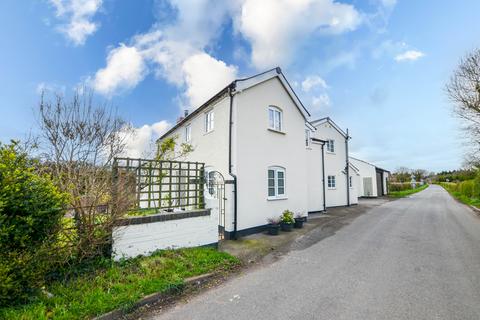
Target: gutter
(235,217)
(347,169)
(323,177)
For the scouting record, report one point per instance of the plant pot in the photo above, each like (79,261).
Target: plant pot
(273,229)
(299,223)
(287,226)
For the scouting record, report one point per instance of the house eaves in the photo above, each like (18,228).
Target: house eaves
(240,85)
(332,123)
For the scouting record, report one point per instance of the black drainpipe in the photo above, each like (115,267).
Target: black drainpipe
(235,223)
(347,170)
(323,176)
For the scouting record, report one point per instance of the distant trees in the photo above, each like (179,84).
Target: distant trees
(404,174)
(463,91)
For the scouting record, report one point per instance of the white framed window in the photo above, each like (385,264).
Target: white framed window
(275,118)
(307,137)
(209,121)
(331,145)
(331,183)
(350,182)
(276,182)
(188,133)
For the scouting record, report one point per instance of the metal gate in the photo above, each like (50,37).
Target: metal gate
(215,198)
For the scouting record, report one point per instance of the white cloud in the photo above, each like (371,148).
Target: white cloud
(205,76)
(78,15)
(410,55)
(177,54)
(125,69)
(141,142)
(320,103)
(276,28)
(312,82)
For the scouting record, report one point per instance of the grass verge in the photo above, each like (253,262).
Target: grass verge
(121,284)
(471,201)
(405,193)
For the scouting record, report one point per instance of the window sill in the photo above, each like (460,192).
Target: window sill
(332,188)
(276,198)
(276,131)
(208,132)
(330,152)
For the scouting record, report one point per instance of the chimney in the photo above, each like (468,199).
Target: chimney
(185,113)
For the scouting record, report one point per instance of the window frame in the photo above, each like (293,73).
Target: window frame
(330,144)
(209,121)
(276,111)
(276,186)
(331,182)
(188,132)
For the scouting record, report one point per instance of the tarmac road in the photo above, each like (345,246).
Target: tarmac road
(413,258)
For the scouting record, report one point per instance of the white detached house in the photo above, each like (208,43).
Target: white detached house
(255,132)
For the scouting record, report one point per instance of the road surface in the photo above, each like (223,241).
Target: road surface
(414,258)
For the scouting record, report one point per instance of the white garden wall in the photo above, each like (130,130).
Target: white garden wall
(143,235)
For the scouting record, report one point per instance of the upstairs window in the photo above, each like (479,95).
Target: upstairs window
(209,121)
(307,137)
(330,145)
(275,118)
(331,183)
(276,182)
(188,133)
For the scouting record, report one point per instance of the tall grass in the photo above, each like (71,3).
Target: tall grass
(467,191)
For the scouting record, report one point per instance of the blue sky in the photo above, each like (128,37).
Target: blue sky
(377,67)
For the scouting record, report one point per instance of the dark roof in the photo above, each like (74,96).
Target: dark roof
(225,90)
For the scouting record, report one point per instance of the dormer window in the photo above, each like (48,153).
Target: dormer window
(275,118)
(330,145)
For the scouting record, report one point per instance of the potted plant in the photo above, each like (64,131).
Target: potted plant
(287,220)
(273,226)
(299,220)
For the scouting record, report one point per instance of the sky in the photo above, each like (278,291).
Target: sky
(376,67)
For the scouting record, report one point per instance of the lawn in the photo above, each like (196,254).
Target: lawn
(121,284)
(405,193)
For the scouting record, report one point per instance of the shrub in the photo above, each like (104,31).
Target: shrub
(476,186)
(30,211)
(287,217)
(466,188)
(393,187)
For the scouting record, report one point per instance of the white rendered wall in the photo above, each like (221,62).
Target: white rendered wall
(334,165)
(257,148)
(365,170)
(142,239)
(315,182)
(354,188)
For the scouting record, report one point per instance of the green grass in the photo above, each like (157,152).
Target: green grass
(121,284)
(405,193)
(452,188)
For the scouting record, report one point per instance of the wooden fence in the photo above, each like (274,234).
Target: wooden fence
(162,184)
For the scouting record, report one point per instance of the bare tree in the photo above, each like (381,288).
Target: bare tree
(80,142)
(463,91)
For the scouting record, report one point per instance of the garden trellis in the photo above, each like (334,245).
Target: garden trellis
(162,184)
